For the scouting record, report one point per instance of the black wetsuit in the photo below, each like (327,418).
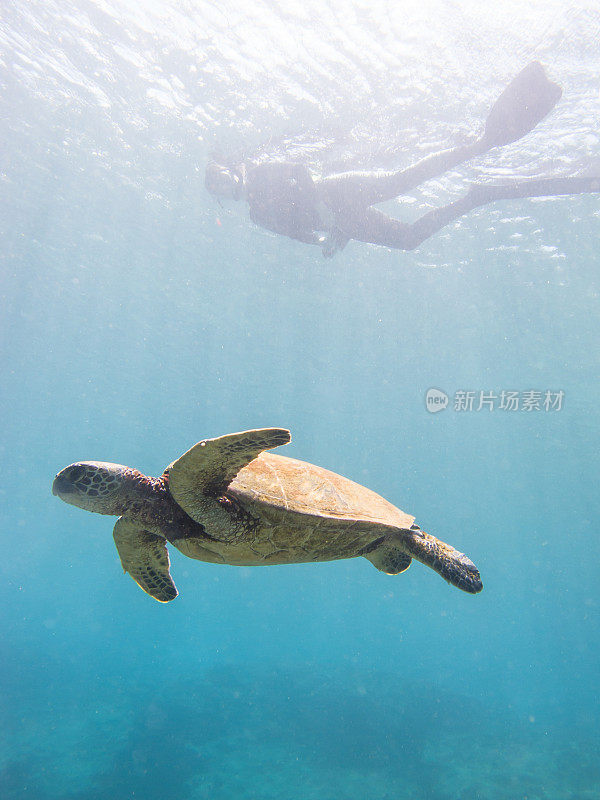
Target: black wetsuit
(283,198)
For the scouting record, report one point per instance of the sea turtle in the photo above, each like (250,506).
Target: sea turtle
(228,501)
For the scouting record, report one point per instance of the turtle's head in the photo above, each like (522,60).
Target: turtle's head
(98,486)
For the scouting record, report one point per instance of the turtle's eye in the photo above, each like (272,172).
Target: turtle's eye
(76,473)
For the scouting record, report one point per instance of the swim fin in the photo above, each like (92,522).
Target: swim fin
(525,102)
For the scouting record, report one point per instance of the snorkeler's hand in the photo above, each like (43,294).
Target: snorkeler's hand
(335,241)
(328,247)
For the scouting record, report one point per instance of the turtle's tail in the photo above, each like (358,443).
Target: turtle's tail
(453,566)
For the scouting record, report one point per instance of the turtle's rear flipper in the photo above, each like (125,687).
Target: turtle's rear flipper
(145,557)
(388,558)
(453,566)
(525,102)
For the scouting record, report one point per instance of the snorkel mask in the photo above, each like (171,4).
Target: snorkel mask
(223,181)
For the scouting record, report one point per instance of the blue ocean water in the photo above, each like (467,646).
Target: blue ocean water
(139,316)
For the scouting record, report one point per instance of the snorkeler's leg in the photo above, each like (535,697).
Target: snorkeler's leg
(528,98)
(377,228)
(481,195)
(354,190)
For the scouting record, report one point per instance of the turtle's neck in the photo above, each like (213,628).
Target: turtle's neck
(150,504)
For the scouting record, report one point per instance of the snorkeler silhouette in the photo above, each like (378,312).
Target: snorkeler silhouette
(286,199)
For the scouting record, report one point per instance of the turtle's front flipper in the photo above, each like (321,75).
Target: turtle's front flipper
(389,558)
(207,469)
(145,557)
(453,566)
